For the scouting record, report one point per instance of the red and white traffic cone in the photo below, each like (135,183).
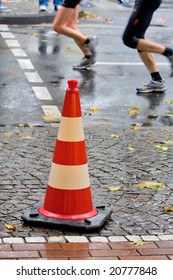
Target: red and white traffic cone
(68,199)
(68,193)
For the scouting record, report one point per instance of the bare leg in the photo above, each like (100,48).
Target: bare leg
(148,46)
(149,61)
(65,23)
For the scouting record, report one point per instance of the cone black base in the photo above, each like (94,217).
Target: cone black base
(34,218)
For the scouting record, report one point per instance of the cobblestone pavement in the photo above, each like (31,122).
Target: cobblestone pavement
(131,158)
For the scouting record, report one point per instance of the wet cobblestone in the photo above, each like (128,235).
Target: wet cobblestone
(25,166)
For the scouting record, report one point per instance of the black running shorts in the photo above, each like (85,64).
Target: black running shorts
(70,3)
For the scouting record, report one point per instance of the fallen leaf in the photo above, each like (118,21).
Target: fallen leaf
(134,111)
(130,149)
(114,189)
(162,148)
(170,101)
(168,209)
(151,185)
(27,137)
(135,127)
(11,227)
(95,109)
(114,136)
(138,243)
(8,134)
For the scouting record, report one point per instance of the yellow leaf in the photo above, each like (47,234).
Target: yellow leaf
(8,134)
(27,137)
(170,101)
(95,109)
(135,127)
(151,185)
(114,136)
(130,149)
(138,243)
(11,227)
(134,111)
(162,148)
(114,189)
(168,209)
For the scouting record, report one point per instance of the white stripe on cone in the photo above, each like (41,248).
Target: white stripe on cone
(69,177)
(71,129)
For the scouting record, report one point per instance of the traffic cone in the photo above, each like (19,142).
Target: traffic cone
(68,199)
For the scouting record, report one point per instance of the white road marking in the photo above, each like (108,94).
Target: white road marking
(12,43)
(33,77)
(7,35)
(4,27)
(42,93)
(129,63)
(19,52)
(51,110)
(25,64)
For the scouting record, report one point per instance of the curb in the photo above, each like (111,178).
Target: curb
(29,19)
(84,239)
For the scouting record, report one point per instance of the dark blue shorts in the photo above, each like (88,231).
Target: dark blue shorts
(70,3)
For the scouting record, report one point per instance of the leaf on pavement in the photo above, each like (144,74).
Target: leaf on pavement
(114,189)
(162,148)
(27,137)
(114,136)
(11,227)
(170,101)
(8,134)
(135,127)
(95,109)
(168,209)
(134,111)
(138,243)
(151,185)
(130,149)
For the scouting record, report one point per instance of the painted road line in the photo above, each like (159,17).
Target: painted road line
(33,77)
(42,93)
(129,63)
(4,27)
(25,64)
(19,52)
(51,110)
(7,35)
(12,43)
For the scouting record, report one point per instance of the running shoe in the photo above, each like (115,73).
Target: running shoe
(85,63)
(92,44)
(153,86)
(43,8)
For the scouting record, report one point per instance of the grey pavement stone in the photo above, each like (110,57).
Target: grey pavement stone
(136,211)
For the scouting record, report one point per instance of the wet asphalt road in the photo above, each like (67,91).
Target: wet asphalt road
(110,86)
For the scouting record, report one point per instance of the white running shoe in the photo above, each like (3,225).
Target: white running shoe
(153,86)
(43,8)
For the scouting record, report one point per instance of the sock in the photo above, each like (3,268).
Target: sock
(156,76)
(88,56)
(87,41)
(168,52)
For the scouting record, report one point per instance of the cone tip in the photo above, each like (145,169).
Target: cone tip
(72,83)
